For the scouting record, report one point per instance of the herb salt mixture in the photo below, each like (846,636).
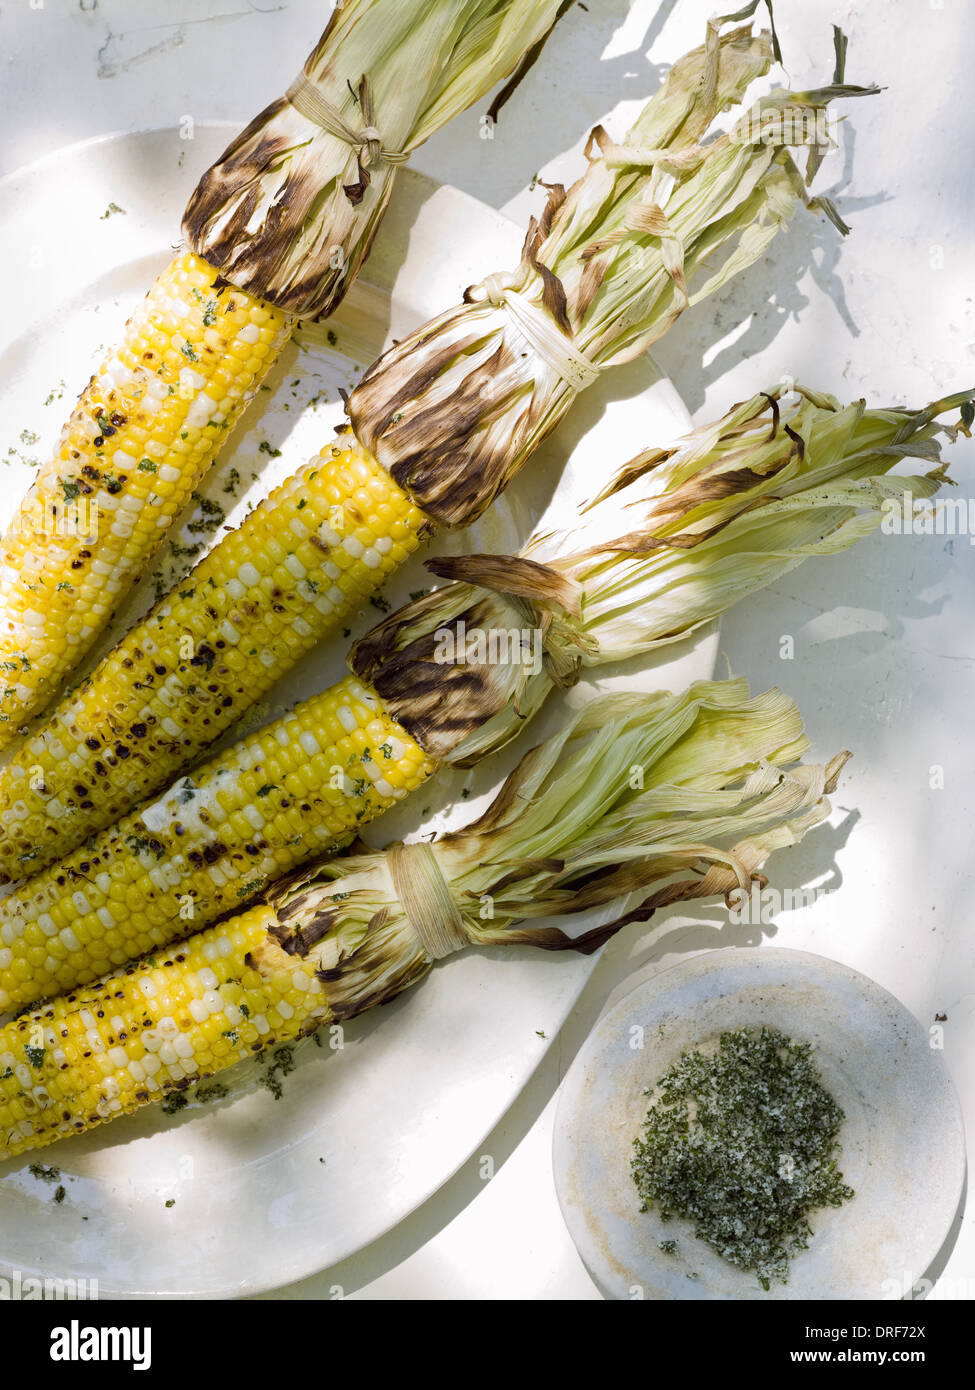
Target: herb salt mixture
(741,1141)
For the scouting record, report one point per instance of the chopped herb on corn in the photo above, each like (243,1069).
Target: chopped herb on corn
(301,562)
(150,1031)
(287,792)
(143,433)
(277,227)
(571,829)
(441,423)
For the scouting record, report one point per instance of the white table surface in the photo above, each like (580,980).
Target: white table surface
(884,640)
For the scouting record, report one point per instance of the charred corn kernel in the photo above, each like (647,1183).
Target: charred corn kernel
(154,1028)
(301,562)
(285,793)
(143,433)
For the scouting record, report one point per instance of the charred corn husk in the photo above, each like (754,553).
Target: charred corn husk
(441,423)
(573,828)
(277,227)
(606,270)
(679,536)
(292,206)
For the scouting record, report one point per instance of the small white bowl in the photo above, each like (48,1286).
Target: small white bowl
(903,1145)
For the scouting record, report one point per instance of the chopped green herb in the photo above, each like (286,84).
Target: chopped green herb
(741,1140)
(35,1055)
(139,844)
(147,466)
(215,1091)
(283,1063)
(43,1174)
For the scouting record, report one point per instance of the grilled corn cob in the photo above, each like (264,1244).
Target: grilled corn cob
(427,687)
(292,789)
(301,561)
(450,414)
(89,1057)
(569,831)
(279,226)
(146,428)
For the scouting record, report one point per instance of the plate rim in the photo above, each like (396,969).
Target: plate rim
(88,147)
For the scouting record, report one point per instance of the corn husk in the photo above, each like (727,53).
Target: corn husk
(678,537)
(656,224)
(672,798)
(290,209)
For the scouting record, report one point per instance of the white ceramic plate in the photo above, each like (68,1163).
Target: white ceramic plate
(264,1192)
(903,1146)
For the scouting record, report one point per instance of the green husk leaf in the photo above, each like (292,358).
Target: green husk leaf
(670,797)
(454,410)
(290,210)
(676,538)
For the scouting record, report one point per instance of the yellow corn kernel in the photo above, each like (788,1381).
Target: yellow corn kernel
(153,1029)
(143,433)
(256,604)
(209,843)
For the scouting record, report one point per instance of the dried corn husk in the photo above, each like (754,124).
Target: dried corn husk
(669,797)
(678,537)
(453,410)
(290,209)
